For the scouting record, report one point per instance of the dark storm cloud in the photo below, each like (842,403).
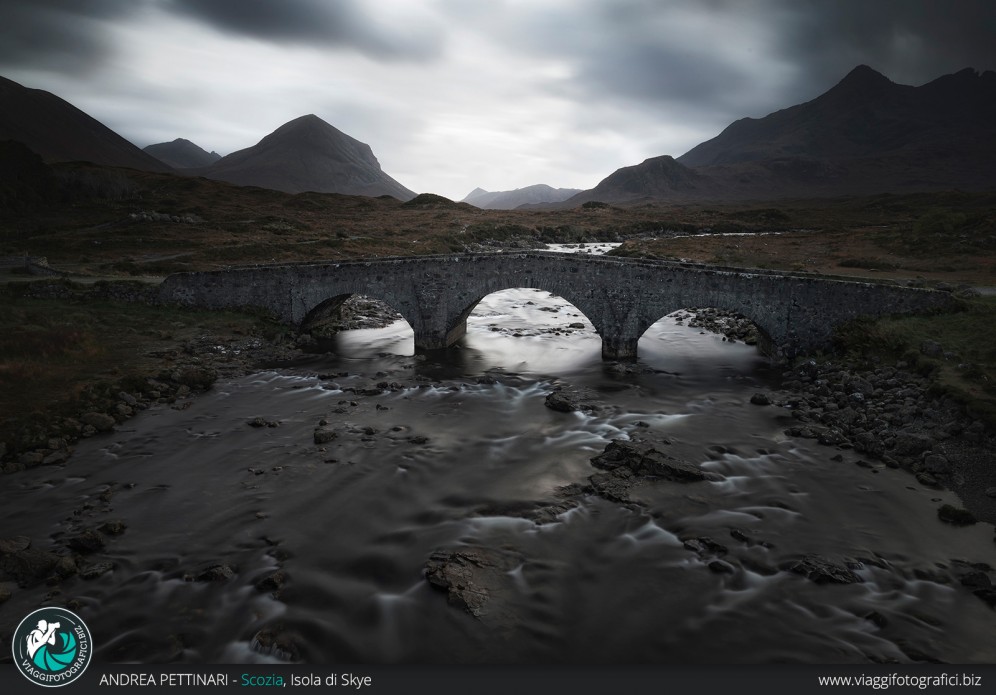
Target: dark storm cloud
(316,22)
(910,41)
(62,35)
(71,36)
(748,57)
(671,57)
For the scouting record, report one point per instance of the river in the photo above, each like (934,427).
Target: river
(429,462)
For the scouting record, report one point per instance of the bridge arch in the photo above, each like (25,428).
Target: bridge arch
(330,311)
(324,312)
(456,324)
(575,314)
(761,319)
(764,342)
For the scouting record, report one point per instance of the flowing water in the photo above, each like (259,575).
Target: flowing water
(352,522)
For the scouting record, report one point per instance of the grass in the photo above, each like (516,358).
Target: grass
(967,370)
(58,356)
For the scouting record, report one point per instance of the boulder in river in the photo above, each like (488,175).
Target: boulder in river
(613,486)
(28,566)
(324,435)
(262,422)
(96,570)
(272,582)
(88,541)
(823,571)
(955,516)
(278,643)
(114,527)
(473,577)
(561,402)
(645,458)
(215,573)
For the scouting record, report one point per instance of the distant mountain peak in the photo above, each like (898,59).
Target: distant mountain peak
(862,82)
(865,72)
(308,123)
(537,194)
(182,154)
(309,120)
(661,177)
(308,154)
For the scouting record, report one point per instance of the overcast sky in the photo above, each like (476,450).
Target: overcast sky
(453,94)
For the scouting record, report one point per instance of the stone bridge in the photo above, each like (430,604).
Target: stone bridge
(622,297)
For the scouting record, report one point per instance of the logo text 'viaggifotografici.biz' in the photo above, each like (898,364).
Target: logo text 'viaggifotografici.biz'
(52,647)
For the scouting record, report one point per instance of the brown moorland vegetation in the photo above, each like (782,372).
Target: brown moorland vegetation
(120,222)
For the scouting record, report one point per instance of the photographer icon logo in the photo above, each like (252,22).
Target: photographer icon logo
(52,647)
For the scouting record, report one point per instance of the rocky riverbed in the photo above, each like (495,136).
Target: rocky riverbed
(588,486)
(884,413)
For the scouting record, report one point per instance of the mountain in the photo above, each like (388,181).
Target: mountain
(865,135)
(26,182)
(657,178)
(509,200)
(60,132)
(182,154)
(307,154)
(845,121)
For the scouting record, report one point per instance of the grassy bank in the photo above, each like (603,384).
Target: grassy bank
(61,357)
(957,350)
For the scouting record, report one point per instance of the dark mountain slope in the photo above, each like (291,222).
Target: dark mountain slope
(865,135)
(657,178)
(60,132)
(308,154)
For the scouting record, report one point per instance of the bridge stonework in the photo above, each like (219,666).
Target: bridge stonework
(621,297)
